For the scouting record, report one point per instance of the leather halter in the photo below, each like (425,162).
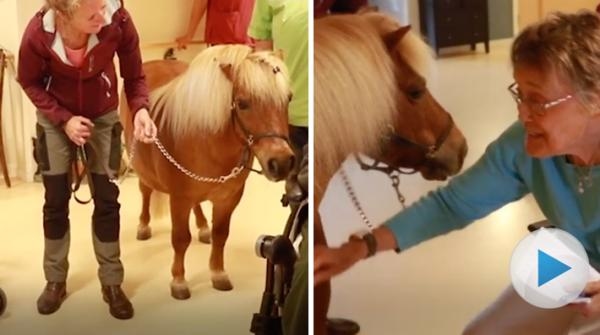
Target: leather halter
(248,138)
(430,151)
(394,172)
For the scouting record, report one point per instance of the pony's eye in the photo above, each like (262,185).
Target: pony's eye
(290,97)
(415,93)
(243,104)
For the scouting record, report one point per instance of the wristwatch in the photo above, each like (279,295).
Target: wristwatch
(369,239)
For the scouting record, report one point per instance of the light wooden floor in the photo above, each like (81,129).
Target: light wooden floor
(147,269)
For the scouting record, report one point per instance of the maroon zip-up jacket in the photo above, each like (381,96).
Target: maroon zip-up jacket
(60,90)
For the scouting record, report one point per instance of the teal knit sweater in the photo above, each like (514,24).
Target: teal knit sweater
(506,173)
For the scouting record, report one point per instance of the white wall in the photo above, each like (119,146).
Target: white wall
(158,23)
(17,112)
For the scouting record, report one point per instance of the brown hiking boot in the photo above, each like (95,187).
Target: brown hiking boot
(52,297)
(119,306)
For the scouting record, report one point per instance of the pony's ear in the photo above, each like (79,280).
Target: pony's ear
(279,54)
(227,70)
(392,39)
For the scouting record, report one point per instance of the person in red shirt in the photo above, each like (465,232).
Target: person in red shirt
(66,68)
(226,22)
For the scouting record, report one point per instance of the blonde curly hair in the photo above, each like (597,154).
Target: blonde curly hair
(66,7)
(568,44)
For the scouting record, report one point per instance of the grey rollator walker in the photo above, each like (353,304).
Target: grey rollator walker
(281,256)
(2,302)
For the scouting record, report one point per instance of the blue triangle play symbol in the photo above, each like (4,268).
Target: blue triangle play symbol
(549,268)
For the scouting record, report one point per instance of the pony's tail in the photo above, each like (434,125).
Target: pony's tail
(159,205)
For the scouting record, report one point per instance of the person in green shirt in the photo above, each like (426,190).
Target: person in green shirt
(283,25)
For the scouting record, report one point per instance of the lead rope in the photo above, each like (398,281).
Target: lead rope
(356,203)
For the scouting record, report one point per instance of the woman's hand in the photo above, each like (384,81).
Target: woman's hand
(329,262)
(78,129)
(592,308)
(144,129)
(183,41)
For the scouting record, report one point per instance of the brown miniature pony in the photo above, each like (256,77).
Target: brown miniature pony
(371,99)
(213,117)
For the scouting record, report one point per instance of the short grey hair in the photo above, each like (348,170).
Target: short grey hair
(568,43)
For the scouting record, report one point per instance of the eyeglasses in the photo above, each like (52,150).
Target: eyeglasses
(537,108)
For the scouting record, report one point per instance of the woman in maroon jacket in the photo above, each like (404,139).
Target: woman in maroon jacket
(66,68)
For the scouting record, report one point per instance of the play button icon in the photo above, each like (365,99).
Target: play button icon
(549,268)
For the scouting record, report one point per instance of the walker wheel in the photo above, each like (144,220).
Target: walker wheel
(2,302)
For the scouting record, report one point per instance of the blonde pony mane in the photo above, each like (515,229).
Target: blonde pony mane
(355,84)
(200,99)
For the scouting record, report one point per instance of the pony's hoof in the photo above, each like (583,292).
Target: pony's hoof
(221,282)
(144,233)
(180,292)
(204,236)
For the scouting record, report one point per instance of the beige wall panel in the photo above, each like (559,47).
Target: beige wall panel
(530,11)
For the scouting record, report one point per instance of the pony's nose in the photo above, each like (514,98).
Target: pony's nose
(280,167)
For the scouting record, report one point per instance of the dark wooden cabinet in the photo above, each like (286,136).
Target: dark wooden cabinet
(446,23)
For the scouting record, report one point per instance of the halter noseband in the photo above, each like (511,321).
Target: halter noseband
(429,151)
(394,172)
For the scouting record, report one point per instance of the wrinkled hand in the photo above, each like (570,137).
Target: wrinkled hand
(78,129)
(329,262)
(144,129)
(593,307)
(183,41)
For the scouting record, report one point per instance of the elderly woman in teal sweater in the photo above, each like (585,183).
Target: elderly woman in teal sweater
(553,152)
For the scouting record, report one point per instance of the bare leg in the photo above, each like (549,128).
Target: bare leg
(180,239)
(144,231)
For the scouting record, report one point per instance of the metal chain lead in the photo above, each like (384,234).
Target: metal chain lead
(354,198)
(396,183)
(356,203)
(216,180)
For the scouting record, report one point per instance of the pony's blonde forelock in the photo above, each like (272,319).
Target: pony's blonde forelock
(201,98)
(355,86)
(354,89)
(416,53)
(264,84)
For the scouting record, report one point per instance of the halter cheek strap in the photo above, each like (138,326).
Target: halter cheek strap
(249,138)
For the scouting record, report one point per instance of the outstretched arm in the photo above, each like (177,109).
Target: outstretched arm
(330,262)
(198,10)
(495,180)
